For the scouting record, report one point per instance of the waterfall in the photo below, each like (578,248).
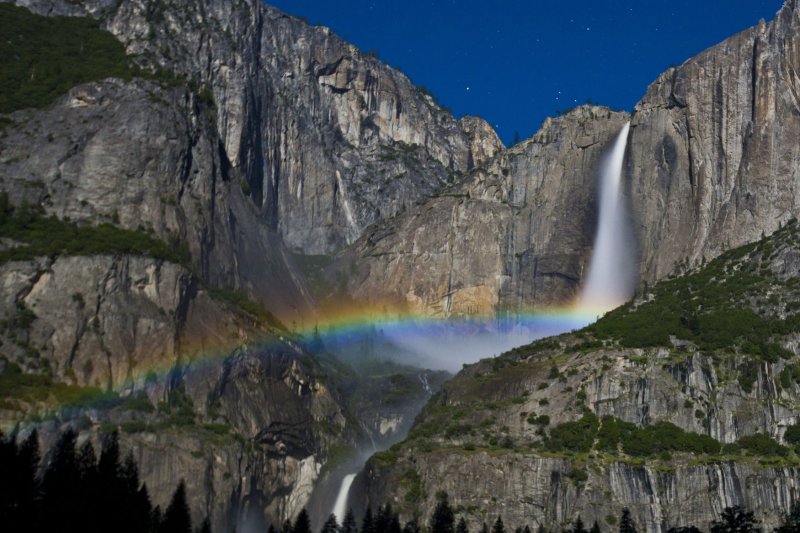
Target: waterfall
(611,274)
(340,507)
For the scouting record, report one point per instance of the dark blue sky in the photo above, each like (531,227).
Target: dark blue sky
(516,62)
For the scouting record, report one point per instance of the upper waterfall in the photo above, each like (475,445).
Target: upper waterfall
(610,280)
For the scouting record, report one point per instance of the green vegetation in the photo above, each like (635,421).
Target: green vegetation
(255,309)
(16,385)
(43,57)
(712,307)
(50,236)
(612,436)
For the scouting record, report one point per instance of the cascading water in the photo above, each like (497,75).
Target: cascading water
(610,279)
(340,507)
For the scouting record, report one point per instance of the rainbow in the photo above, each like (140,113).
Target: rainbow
(416,339)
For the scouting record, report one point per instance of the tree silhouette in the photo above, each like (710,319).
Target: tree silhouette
(791,521)
(626,523)
(384,519)
(176,517)
(61,504)
(595,528)
(462,526)
(577,527)
(349,523)
(684,529)
(368,523)
(498,526)
(443,520)
(18,483)
(412,526)
(302,523)
(330,525)
(205,527)
(735,520)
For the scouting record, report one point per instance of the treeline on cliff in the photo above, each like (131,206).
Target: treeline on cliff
(72,490)
(443,520)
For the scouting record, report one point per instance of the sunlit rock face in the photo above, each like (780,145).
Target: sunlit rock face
(515,233)
(713,158)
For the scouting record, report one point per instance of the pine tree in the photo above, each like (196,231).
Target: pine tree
(205,527)
(87,468)
(109,496)
(735,520)
(18,482)
(578,526)
(272,529)
(791,521)
(330,525)
(156,517)
(684,529)
(176,517)
(302,523)
(412,526)
(595,528)
(484,528)
(443,520)
(526,529)
(462,526)
(287,526)
(384,519)
(626,523)
(368,523)
(498,526)
(349,522)
(62,505)
(394,525)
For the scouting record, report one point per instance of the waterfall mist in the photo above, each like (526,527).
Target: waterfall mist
(610,281)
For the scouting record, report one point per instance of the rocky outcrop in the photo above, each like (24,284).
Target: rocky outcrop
(514,234)
(713,156)
(484,143)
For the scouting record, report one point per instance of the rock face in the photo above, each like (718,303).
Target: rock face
(484,143)
(146,157)
(327,139)
(516,232)
(713,154)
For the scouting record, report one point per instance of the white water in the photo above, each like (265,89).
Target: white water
(610,281)
(340,507)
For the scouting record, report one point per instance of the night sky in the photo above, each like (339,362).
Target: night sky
(516,62)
